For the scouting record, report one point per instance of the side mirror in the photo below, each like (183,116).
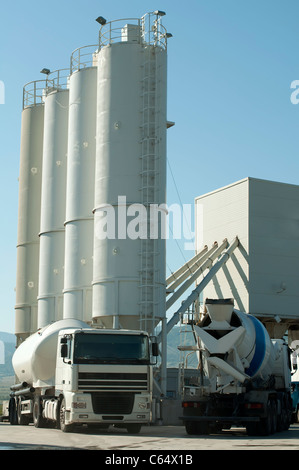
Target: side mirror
(64,351)
(155,349)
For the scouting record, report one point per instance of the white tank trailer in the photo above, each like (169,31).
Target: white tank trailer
(245,376)
(69,374)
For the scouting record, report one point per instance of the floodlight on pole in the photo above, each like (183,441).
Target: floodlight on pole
(45,71)
(101,20)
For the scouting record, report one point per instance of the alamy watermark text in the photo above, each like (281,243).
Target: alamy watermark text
(295,94)
(138,221)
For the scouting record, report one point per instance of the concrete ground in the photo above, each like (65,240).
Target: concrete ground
(150,439)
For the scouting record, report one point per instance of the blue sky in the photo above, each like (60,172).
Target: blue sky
(230,67)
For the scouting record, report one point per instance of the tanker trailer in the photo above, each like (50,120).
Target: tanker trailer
(244,376)
(70,374)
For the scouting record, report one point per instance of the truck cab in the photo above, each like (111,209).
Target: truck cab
(104,376)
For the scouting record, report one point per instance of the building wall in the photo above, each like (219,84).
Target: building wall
(274,248)
(219,215)
(263,274)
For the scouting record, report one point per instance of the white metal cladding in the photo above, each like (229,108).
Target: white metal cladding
(80,194)
(30,177)
(263,275)
(274,248)
(219,215)
(53,197)
(129,274)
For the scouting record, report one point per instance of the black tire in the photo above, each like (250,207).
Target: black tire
(38,419)
(273,416)
(264,426)
(63,426)
(251,429)
(283,422)
(133,428)
(12,412)
(197,428)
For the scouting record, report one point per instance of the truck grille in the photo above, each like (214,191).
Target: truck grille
(112,403)
(98,381)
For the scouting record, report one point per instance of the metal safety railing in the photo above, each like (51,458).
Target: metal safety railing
(83,57)
(147,30)
(34,92)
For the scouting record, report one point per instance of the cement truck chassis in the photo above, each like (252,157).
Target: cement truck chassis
(261,413)
(245,375)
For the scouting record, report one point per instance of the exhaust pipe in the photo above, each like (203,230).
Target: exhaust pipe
(19,386)
(23,391)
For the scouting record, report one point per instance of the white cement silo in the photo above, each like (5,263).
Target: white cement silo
(129,274)
(80,187)
(30,176)
(53,196)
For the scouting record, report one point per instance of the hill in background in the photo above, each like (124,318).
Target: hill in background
(7,348)
(180,337)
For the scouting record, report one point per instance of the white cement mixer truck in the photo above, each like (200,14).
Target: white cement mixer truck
(244,376)
(70,374)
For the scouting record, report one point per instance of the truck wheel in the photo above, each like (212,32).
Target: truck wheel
(38,419)
(12,412)
(64,427)
(273,417)
(283,424)
(197,428)
(251,429)
(264,427)
(133,428)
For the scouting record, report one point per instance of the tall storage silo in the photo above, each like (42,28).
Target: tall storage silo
(80,186)
(53,196)
(30,176)
(129,263)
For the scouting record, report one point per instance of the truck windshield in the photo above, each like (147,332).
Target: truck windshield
(111,349)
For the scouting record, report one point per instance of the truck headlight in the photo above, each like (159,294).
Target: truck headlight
(79,405)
